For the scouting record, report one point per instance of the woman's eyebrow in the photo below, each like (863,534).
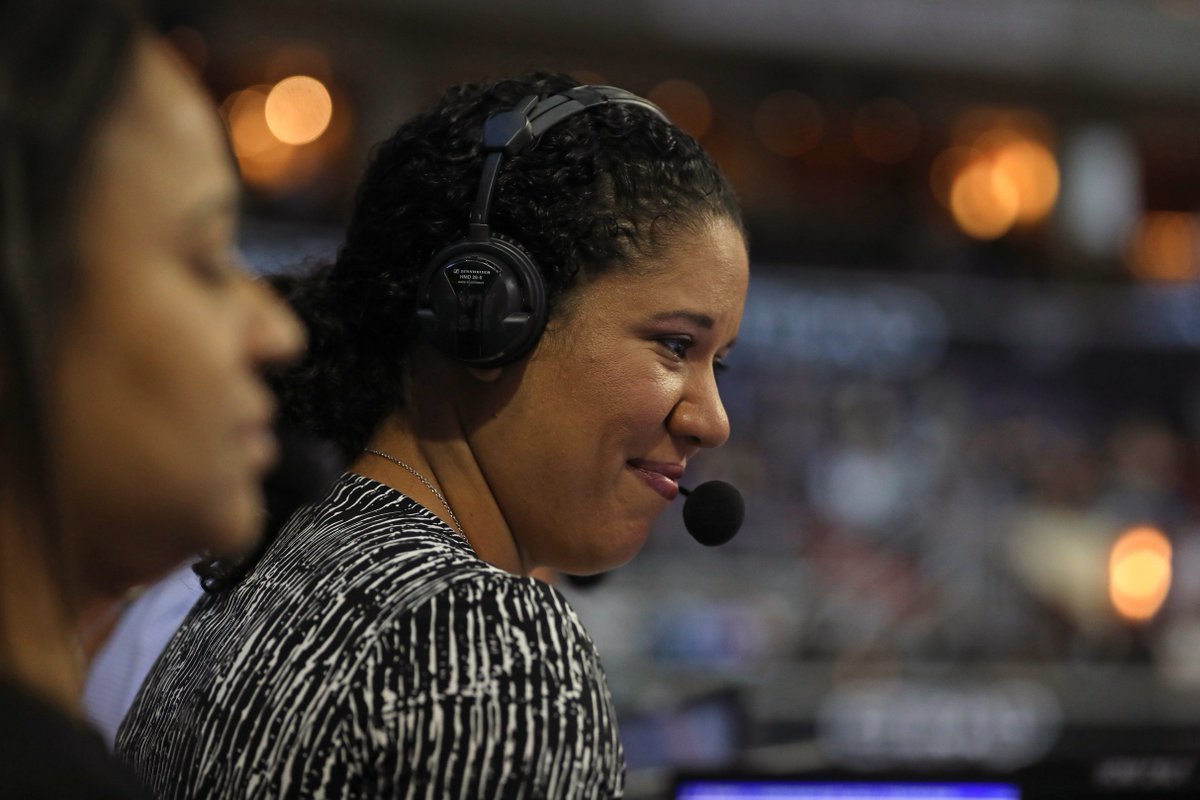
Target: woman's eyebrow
(694,317)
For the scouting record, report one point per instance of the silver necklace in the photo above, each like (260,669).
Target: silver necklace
(441,497)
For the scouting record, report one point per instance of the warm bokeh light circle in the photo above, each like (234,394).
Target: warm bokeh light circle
(298,109)
(999,171)
(248,128)
(1139,572)
(1165,246)
(1032,169)
(984,201)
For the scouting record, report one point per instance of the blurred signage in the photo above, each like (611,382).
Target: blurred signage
(863,323)
(879,328)
(1001,725)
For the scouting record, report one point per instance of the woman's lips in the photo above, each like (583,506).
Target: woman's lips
(661,477)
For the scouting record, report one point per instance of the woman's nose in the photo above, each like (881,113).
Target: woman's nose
(275,332)
(700,415)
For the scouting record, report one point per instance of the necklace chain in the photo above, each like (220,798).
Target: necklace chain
(441,497)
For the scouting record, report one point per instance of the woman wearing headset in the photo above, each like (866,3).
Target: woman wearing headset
(389,642)
(134,422)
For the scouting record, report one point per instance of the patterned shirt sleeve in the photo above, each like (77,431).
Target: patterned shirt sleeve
(488,690)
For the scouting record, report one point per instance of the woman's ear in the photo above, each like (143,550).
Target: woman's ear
(490,375)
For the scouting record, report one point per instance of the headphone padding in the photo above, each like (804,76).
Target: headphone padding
(482,303)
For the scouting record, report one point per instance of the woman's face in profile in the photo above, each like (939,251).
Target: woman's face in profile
(620,393)
(161,419)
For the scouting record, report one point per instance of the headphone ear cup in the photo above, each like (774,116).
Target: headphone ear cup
(482,303)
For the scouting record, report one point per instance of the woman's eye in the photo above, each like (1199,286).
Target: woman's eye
(215,269)
(677,346)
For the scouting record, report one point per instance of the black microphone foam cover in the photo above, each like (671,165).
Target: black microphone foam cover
(585,581)
(713,513)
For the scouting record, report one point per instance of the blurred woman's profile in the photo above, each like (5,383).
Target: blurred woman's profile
(135,424)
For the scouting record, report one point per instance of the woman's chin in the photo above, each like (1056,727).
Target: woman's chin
(616,548)
(238,529)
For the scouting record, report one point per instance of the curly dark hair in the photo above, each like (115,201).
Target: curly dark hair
(596,191)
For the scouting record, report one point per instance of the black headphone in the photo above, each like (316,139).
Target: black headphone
(482,300)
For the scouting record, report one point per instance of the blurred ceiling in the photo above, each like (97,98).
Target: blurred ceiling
(1109,88)
(1138,48)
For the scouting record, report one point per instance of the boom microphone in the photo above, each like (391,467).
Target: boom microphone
(713,512)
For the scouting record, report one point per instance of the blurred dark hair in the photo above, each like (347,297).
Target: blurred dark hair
(62,63)
(596,191)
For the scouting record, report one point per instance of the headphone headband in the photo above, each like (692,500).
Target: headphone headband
(507,133)
(559,107)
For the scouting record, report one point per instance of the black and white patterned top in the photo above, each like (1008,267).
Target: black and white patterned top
(372,654)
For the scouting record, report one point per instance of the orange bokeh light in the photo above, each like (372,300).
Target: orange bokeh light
(945,168)
(248,124)
(1166,246)
(1023,181)
(298,109)
(256,127)
(985,201)
(1031,168)
(1139,573)
(262,159)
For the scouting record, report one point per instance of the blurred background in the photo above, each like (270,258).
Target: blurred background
(966,399)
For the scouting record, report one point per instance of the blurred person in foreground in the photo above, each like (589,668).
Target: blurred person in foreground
(134,422)
(390,642)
